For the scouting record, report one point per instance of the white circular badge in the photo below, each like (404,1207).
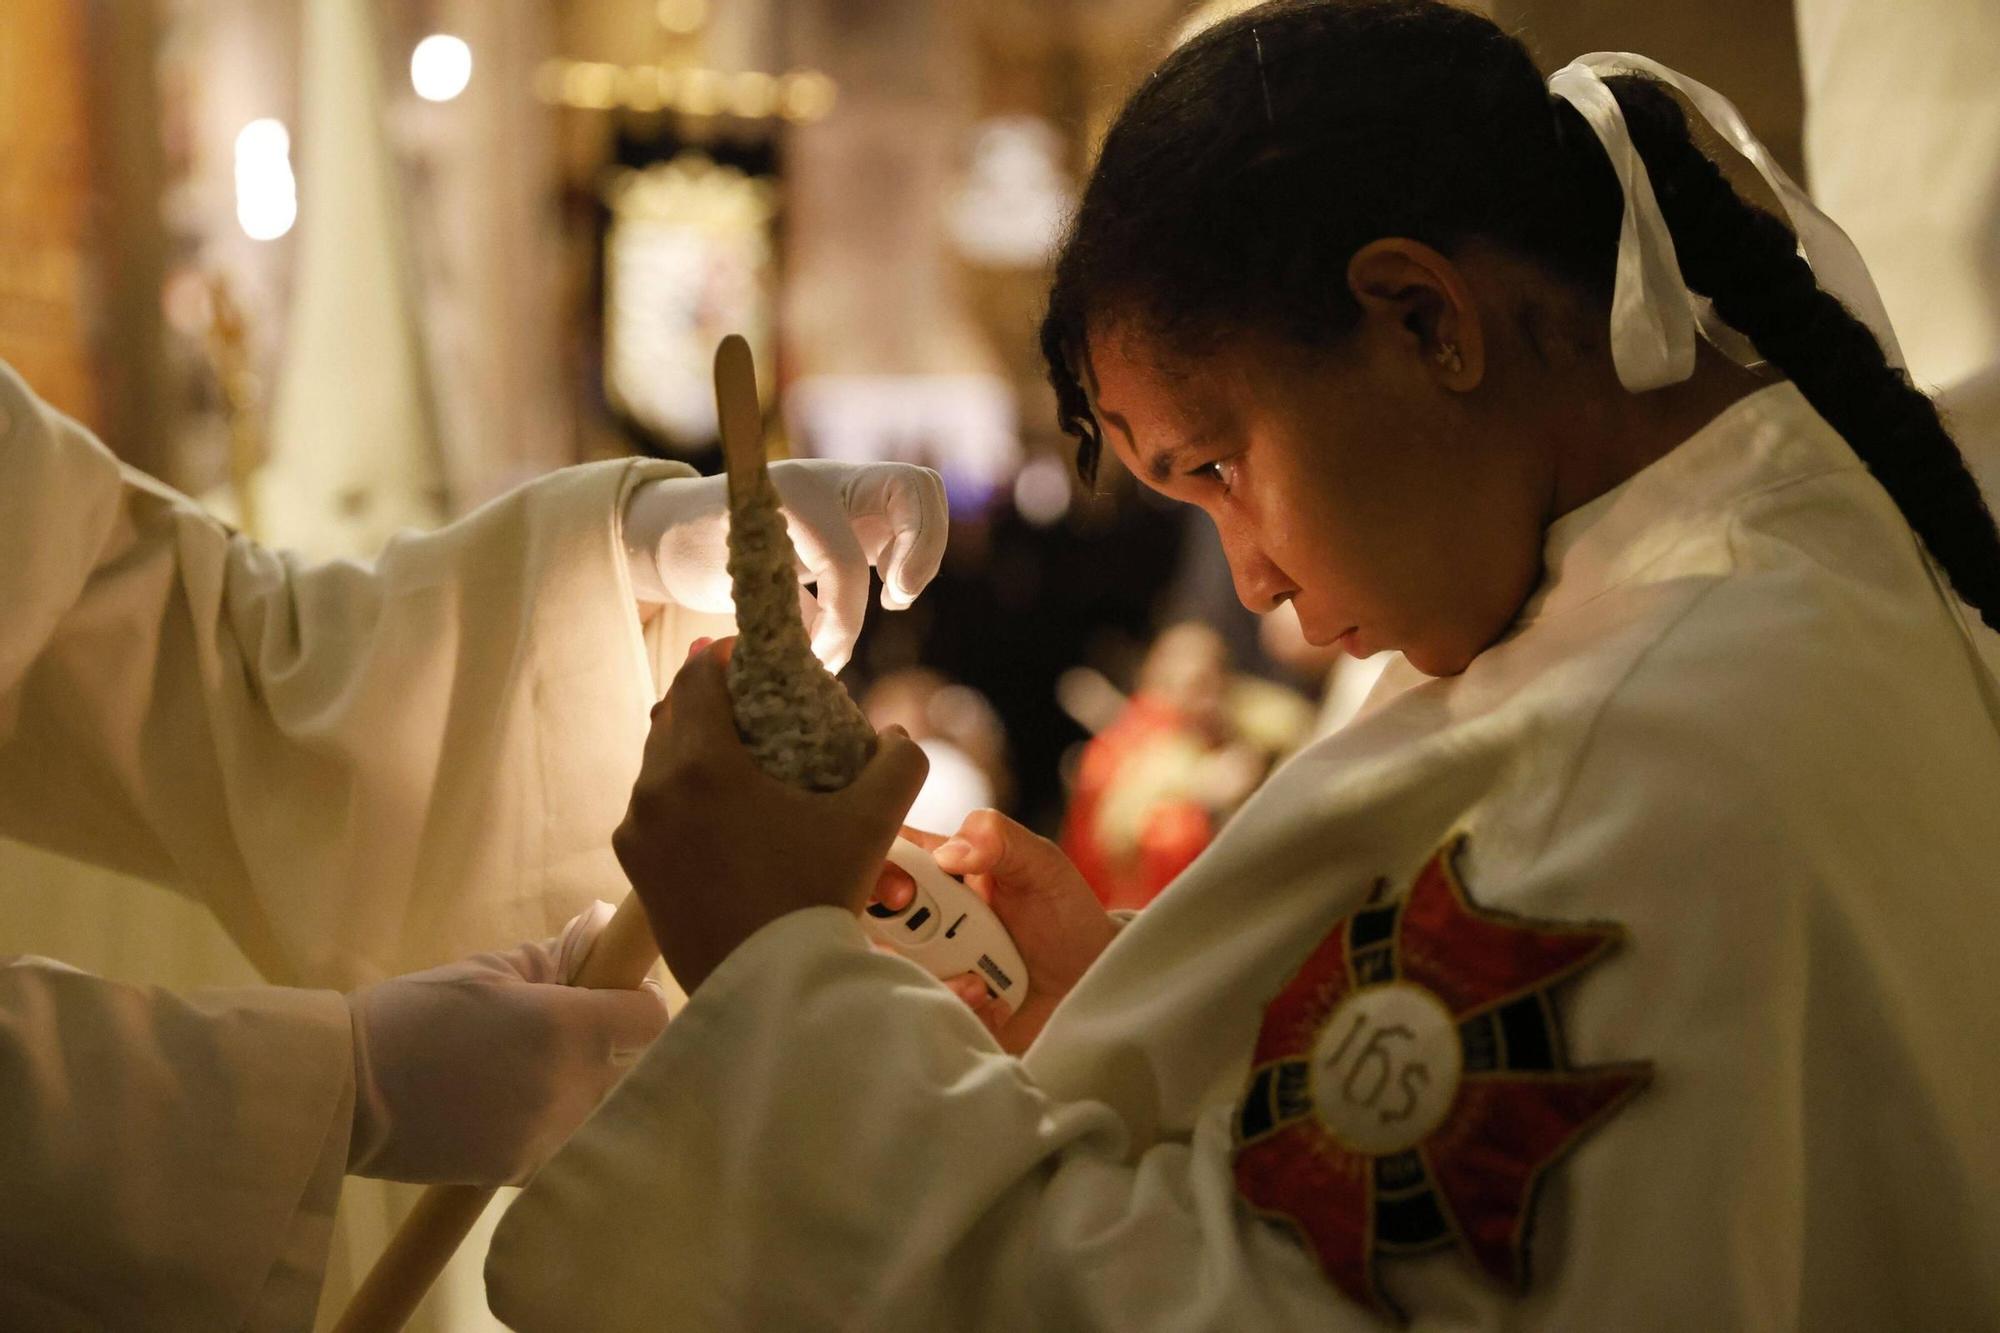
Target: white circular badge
(1386,1067)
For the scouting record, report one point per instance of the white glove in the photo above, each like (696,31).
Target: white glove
(843,518)
(474,1072)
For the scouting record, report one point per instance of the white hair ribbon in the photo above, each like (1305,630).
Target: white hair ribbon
(1653,314)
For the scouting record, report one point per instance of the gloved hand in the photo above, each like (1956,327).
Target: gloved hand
(474,1072)
(843,518)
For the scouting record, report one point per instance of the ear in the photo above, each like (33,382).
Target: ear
(1420,300)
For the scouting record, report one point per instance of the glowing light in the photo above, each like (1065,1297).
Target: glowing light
(806,95)
(1010,210)
(267,194)
(701,92)
(754,95)
(591,85)
(1042,491)
(440,67)
(682,16)
(639,88)
(263,140)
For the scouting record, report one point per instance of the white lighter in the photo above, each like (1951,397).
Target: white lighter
(947,929)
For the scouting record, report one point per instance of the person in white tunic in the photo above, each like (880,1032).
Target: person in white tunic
(1625,965)
(362,771)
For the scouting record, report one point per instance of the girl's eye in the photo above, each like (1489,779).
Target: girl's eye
(1222,471)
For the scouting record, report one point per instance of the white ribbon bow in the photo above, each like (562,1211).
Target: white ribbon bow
(1653,314)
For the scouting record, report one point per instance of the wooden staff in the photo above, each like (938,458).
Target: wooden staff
(619,960)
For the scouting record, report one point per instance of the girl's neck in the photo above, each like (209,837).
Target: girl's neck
(1608,435)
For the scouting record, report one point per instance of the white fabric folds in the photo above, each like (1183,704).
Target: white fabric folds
(1653,314)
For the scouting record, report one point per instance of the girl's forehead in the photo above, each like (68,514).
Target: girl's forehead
(1130,374)
(1131,350)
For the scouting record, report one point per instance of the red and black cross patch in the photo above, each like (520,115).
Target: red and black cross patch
(1410,1086)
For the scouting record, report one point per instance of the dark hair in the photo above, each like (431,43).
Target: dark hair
(1237,183)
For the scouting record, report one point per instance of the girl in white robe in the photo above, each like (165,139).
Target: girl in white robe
(1625,965)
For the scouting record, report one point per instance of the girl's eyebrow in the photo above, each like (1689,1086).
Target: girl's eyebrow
(1169,459)
(1166,462)
(1162,463)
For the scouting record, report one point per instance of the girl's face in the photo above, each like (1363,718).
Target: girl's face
(1354,482)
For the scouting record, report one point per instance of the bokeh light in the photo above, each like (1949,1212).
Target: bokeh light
(440,67)
(267,194)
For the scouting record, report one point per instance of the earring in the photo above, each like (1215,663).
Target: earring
(1449,357)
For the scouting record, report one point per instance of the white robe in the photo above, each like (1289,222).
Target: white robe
(1738,720)
(359,770)
(1902,144)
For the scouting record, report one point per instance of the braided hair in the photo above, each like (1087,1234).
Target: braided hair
(1237,183)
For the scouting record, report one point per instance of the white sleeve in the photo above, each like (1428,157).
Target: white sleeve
(825,1137)
(167,1160)
(360,769)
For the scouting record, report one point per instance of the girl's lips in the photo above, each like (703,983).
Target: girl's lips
(1340,640)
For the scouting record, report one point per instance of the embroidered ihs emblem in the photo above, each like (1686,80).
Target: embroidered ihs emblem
(1410,1087)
